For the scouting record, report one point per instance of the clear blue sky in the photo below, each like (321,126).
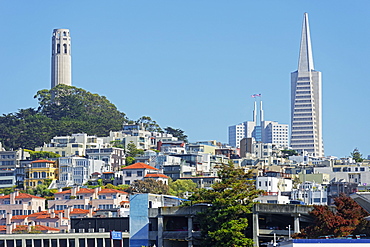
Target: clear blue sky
(194,64)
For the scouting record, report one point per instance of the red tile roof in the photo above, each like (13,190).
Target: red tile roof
(140,166)
(90,191)
(19,217)
(151,175)
(79,211)
(37,228)
(80,191)
(46,215)
(22,196)
(107,191)
(42,161)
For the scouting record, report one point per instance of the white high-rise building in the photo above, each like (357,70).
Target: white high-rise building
(275,133)
(262,131)
(236,134)
(61,58)
(306,101)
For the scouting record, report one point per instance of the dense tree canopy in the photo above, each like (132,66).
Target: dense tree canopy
(63,110)
(149,185)
(149,124)
(224,223)
(356,155)
(347,218)
(181,186)
(180,134)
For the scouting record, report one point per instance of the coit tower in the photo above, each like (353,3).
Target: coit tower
(61,58)
(306,101)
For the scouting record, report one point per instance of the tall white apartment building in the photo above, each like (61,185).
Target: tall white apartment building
(306,101)
(236,134)
(262,131)
(61,72)
(275,133)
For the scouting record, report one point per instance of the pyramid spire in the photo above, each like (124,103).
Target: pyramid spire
(305,53)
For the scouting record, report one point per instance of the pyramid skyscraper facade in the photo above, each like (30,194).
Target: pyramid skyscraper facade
(306,101)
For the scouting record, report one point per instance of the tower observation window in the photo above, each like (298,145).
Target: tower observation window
(58,48)
(65,48)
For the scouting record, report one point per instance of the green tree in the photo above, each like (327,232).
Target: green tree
(356,155)
(117,144)
(72,110)
(7,191)
(224,223)
(288,152)
(149,186)
(132,152)
(149,124)
(80,110)
(346,218)
(181,186)
(180,134)
(35,155)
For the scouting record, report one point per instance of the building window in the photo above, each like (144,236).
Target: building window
(128,174)
(127,181)
(139,173)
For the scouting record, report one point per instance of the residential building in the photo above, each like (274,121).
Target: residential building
(171,147)
(76,171)
(274,198)
(311,194)
(113,157)
(21,204)
(336,188)
(202,147)
(157,177)
(136,134)
(50,218)
(137,171)
(274,184)
(83,198)
(72,145)
(352,173)
(39,171)
(10,159)
(306,101)
(7,178)
(61,64)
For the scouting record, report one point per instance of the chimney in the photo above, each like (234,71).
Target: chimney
(12,197)
(91,210)
(9,228)
(67,212)
(8,218)
(60,220)
(52,214)
(73,191)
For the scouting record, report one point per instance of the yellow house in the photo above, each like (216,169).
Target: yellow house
(39,171)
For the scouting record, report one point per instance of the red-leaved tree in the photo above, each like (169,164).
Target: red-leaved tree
(346,218)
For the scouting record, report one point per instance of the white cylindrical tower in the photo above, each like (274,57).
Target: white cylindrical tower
(61,72)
